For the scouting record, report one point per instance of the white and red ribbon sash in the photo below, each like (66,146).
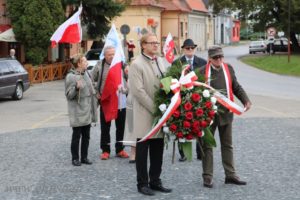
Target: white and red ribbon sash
(227,76)
(189,81)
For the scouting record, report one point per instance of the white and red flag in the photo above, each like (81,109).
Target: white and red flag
(69,32)
(169,48)
(109,97)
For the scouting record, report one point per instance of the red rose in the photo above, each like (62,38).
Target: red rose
(199,112)
(189,136)
(203,124)
(186,124)
(196,97)
(173,127)
(196,129)
(196,124)
(200,134)
(208,104)
(188,106)
(179,135)
(176,114)
(189,115)
(211,114)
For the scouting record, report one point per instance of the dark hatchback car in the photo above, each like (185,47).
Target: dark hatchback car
(279,45)
(92,57)
(13,79)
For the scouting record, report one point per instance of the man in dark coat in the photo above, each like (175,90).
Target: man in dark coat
(195,62)
(221,76)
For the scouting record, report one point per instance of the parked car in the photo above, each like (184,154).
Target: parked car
(92,57)
(14,78)
(279,45)
(257,46)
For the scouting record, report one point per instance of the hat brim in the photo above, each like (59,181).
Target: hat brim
(188,46)
(216,54)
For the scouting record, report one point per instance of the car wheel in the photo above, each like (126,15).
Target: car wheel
(18,92)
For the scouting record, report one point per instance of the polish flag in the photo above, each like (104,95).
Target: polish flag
(69,32)
(168,48)
(109,97)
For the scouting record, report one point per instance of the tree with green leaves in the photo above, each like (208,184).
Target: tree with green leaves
(34,21)
(97,14)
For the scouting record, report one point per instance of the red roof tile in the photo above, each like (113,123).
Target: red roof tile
(175,5)
(153,3)
(197,5)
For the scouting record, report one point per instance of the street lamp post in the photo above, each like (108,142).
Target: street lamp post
(289,31)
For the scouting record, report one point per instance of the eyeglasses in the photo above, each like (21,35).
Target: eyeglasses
(153,43)
(217,57)
(189,48)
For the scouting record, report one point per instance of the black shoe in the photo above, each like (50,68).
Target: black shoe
(86,161)
(182,159)
(234,180)
(131,161)
(160,188)
(76,163)
(145,190)
(207,182)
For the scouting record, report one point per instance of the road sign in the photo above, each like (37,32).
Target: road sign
(125,29)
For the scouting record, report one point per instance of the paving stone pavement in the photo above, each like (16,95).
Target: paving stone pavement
(36,165)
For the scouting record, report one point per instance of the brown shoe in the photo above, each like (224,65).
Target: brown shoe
(234,180)
(207,182)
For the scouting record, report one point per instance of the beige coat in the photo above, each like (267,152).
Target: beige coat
(144,79)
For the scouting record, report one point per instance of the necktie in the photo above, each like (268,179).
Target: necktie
(191,65)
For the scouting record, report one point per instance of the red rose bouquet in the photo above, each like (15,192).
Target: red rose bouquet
(194,115)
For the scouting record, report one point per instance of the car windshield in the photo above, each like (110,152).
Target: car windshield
(93,55)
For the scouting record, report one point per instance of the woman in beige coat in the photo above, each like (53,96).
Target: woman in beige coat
(144,77)
(82,108)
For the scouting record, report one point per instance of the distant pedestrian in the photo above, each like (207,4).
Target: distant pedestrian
(82,108)
(131,47)
(221,76)
(12,53)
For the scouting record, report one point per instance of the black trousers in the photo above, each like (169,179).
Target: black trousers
(198,151)
(155,148)
(105,131)
(82,132)
(130,55)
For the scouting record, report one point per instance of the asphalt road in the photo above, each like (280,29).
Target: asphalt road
(35,148)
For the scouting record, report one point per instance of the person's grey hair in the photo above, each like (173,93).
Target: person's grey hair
(107,48)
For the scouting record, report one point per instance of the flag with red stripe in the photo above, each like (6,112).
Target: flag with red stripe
(69,32)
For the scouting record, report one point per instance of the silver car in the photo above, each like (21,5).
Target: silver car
(257,46)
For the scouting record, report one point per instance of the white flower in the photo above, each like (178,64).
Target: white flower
(206,93)
(213,100)
(162,107)
(166,129)
(182,140)
(172,136)
(215,108)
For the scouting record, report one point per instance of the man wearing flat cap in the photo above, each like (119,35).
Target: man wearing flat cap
(221,76)
(195,62)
